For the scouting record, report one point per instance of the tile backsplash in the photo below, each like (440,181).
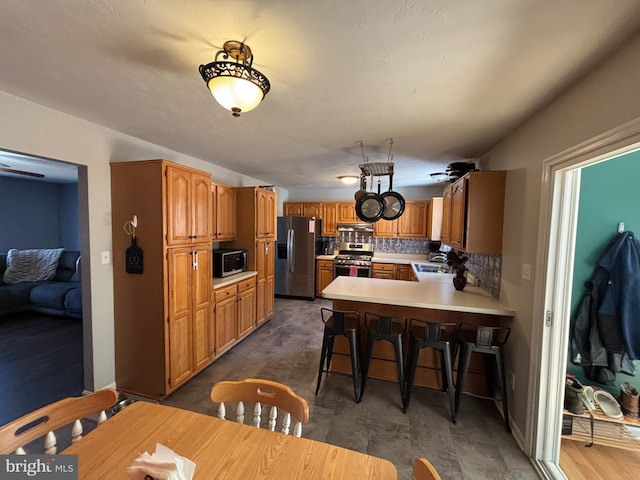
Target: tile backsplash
(383,245)
(487,269)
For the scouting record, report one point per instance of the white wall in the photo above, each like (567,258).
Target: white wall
(30,128)
(607,97)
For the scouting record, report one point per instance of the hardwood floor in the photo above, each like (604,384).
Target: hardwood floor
(597,462)
(40,362)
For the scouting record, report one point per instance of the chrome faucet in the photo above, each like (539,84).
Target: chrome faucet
(438,257)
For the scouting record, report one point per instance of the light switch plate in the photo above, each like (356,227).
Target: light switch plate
(526,271)
(105,257)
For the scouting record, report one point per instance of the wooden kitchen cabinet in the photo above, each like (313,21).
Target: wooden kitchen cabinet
(223,212)
(162,316)
(188,203)
(302,209)
(476,212)
(383,270)
(256,232)
(246,307)
(293,209)
(445,232)
(434,219)
(226,329)
(265,213)
(411,224)
(324,275)
(235,313)
(330,219)
(404,272)
(347,213)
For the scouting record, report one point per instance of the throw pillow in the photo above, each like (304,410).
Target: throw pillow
(32,265)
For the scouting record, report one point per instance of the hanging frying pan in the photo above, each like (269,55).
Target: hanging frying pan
(369,207)
(393,202)
(363,187)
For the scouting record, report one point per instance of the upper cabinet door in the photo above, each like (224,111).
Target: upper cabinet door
(226,217)
(200,208)
(458,207)
(293,209)
(188,201)
(178,210)
(265,214)
(413,222)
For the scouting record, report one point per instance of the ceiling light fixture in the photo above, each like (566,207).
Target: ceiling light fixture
(235,84)
(348,179)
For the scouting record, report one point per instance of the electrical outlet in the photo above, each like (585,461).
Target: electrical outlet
(526,271)
(513,381)
(106,257)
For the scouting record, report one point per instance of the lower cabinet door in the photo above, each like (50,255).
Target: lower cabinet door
(179,326)
(246,312)
(225,324)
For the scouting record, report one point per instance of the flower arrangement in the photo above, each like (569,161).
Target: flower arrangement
(457,262)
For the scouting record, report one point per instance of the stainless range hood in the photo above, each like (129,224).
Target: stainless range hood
(356,227)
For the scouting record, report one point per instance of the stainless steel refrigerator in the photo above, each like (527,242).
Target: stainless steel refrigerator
(297,242)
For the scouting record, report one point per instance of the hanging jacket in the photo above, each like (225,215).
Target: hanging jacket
(611,295)
(619,311)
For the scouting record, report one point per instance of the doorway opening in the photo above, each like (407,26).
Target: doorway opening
(553,289)
(53,213)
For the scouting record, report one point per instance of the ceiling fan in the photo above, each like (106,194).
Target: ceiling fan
(7,169)
(454,171)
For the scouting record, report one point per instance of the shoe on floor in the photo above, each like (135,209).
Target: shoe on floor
(608,404)
(629,400)
(573,396)
(587,397)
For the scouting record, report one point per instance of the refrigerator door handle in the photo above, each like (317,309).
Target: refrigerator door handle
(291,250)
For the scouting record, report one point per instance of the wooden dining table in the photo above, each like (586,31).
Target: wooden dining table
(221,450)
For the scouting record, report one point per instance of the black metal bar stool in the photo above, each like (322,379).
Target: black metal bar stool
(380,327)
(487,341)
(347,324)
(439,336)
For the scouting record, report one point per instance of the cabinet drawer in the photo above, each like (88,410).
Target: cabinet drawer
(325,263)
(225,292)
(383,267)
(245,285)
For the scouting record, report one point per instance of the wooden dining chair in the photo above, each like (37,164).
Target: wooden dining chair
(46,420)
(423,470)
(262,392)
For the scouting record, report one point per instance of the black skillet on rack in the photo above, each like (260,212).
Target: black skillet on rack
(393,202)
(370,206)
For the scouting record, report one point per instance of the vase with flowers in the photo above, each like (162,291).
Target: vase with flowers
(458,263)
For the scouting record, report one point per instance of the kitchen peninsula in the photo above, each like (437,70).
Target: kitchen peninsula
(432,298)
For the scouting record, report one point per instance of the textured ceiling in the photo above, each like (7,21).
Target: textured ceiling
(444,79)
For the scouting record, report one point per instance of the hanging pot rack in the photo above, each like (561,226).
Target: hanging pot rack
(376,169)
(370,206)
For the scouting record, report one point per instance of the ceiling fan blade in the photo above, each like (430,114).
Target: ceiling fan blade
(20,172)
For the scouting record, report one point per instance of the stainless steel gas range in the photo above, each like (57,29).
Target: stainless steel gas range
(353,259)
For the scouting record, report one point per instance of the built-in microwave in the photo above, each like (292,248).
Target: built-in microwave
(229,261)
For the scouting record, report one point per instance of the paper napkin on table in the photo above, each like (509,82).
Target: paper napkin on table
(163,464)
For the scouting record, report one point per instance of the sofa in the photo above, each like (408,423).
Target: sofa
(60,296)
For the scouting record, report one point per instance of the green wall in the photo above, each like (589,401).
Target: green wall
(609,193)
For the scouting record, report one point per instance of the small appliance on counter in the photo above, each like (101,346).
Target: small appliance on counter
(229,261)
(297,244)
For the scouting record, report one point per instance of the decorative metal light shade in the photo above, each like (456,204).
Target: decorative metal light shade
(235,85)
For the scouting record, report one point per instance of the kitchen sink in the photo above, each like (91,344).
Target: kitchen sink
(430,268)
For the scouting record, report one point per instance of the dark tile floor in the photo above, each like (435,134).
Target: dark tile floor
(287,350)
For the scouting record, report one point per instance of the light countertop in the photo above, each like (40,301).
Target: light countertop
(387,257)
(224,281)
(433,290)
